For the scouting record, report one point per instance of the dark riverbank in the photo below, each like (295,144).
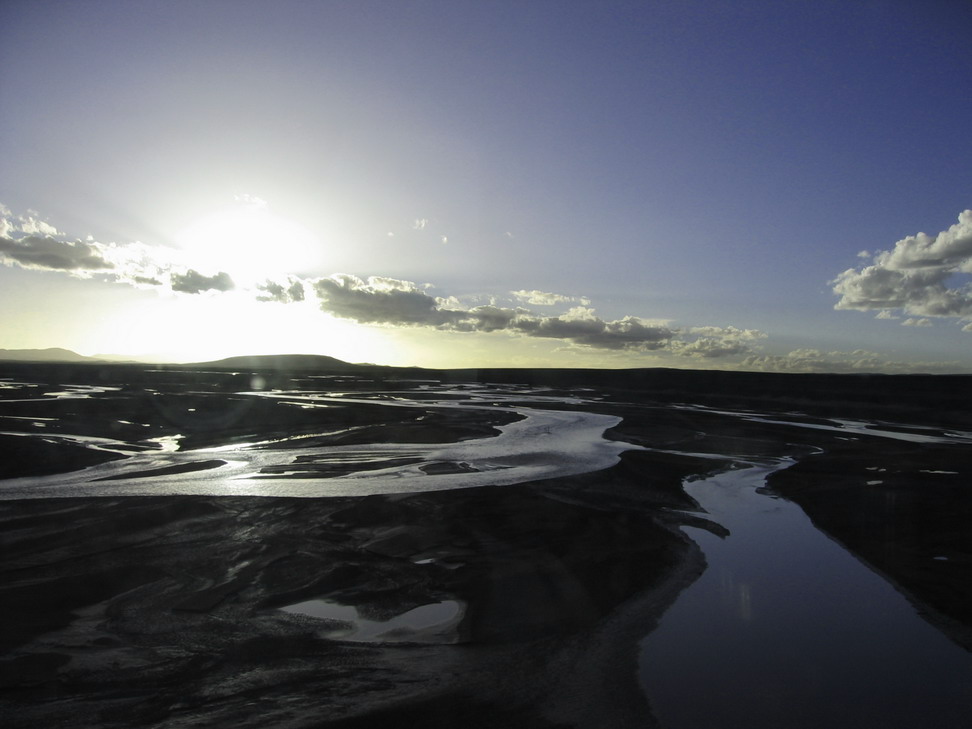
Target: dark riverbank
(165,610)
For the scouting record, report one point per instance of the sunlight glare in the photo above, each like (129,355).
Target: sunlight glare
(250,242)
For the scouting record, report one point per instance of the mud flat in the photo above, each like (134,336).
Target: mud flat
(476,603)
(170,611)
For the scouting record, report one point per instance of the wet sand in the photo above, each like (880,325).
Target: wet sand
(165,611)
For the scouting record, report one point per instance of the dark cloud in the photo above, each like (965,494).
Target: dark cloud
(917,276)
(193,282)
(283,293)
(380,300)
(42,252)
(296,291)
(581,326)
(489,318)
(146,280)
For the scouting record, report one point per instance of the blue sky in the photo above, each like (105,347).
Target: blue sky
(678,184)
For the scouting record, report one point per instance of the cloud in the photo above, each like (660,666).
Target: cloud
(582,326)
(376,300)
(380,300)
(394,302)
(33,226)
(193,282)
(29,224)
(709,342)
(284,293)
(42,252)
(912,322)
(856,361)
(918,276)
(420,223)
(146,281)
(30,243)
(544,298)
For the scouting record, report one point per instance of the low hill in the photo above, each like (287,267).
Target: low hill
(281,362)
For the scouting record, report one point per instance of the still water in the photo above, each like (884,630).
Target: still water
(785,629)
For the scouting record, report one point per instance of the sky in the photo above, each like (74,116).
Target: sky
(731,184)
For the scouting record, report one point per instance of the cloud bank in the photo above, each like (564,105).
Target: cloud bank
(544,298)
(857,361)
(286,292)
(42,252)
(393,302)
(922,276)
(193,282)
(30,243)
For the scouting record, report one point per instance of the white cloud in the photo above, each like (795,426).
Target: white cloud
(545,298)
(420,223)
(29,224)
(886,314)
(917,276)
(913,322)
(32,226)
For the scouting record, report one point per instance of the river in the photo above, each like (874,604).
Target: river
(542,444)
(785,628)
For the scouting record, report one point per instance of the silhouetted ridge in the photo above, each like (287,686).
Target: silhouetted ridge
(282,362)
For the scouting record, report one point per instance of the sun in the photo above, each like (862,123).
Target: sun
(250,242)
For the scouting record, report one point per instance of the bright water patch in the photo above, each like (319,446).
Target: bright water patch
(543,444)
(432,623)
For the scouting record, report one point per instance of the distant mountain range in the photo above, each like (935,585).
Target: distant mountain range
(52,354)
